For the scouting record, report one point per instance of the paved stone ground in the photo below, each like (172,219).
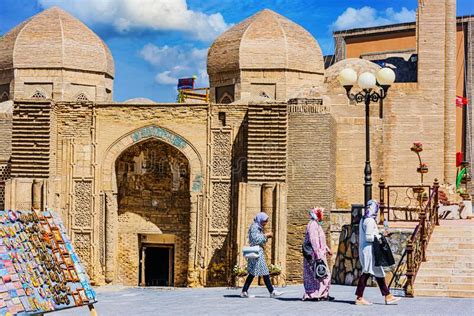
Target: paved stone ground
(221,301)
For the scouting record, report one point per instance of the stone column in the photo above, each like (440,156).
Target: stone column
(267,198)
(280,229)
(37,195)
(111,235)
(193,273)
(241,221)
(267,206)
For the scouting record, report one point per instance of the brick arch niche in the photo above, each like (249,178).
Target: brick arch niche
(152,182)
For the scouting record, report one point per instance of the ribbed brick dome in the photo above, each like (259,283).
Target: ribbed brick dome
(55,39)
(266,40)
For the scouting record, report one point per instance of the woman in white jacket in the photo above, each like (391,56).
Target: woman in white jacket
(367,231)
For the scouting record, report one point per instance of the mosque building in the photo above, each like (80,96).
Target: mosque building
(141,184)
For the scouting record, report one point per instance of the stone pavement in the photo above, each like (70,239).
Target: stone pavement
(115,300)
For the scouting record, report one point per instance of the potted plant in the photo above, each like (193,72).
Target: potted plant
(274,269)
(417,147)
(423,168)
(239,271)
(418,190)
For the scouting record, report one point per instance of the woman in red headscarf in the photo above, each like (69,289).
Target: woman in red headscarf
(316,288)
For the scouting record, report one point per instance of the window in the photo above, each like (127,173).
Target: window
(4,96)
(81,97)
(38,95)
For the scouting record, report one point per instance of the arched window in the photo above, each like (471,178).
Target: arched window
(226,98)
(38,95)
(81,97)
(4,97)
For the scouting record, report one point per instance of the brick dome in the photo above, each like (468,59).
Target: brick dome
(266,40)
(54,39)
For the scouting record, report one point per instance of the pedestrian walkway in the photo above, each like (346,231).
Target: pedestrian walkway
(221,301)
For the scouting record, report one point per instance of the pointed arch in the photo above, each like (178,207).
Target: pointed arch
(4,96)
(38,95)
(81,97)
(226,98)
(162,134)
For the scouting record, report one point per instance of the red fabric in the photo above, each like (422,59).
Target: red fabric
(460,101)
(459,158)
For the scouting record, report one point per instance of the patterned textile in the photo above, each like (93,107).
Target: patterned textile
(315,288)
(257,266)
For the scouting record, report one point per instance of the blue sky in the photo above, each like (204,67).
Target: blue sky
(156,41)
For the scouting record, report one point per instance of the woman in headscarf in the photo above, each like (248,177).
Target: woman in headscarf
(316,289)
(368,230)
(258,266)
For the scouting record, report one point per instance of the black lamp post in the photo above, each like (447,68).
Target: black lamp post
(373,89)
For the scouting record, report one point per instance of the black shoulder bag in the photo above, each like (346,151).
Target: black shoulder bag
(307,250)
(382,253)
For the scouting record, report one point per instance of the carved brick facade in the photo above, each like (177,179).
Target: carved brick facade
(130,177)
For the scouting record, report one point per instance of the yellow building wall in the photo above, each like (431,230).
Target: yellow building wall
(362,45)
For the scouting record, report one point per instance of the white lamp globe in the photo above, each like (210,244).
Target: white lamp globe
(385,76)
(367,80)
(347,77)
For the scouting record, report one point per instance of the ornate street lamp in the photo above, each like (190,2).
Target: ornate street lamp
(372,89)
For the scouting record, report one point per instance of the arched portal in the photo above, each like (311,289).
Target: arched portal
(146,226)
(153,185)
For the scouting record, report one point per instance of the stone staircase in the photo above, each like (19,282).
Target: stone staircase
(449,269)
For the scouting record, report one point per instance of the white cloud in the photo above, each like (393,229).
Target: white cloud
(134,15)
(166,78)
(173,62)
(367,17)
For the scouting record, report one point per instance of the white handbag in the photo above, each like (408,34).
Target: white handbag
(251,252)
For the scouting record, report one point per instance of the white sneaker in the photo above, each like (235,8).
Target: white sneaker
(246,295)
(275,293)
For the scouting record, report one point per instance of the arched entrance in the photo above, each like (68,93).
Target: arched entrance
(153,183)
(139,227)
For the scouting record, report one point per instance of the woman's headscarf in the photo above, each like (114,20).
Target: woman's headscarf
(260,218)
(372,209)
(316,214)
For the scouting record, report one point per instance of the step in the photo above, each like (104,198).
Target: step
(459,239)
(447,264)
(444,279)
(451,258)
(443,246)
(443,293)
(424,270)
(454,233)
(448,252)
(444,286)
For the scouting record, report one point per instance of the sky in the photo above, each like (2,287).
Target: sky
(154,42)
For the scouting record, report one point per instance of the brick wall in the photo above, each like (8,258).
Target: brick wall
(311,179)
(5,147)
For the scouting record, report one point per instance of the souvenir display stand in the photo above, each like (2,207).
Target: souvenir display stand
(39,269)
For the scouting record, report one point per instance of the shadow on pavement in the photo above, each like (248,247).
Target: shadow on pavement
(288,299)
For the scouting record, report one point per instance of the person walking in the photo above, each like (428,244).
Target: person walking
(368,230)
(258,266)
(316,289)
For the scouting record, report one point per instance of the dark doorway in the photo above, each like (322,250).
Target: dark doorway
(159,265)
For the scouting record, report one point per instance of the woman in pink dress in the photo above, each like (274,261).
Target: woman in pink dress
(316,289)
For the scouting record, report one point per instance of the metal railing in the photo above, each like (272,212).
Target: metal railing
(403,202)
(415,252)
